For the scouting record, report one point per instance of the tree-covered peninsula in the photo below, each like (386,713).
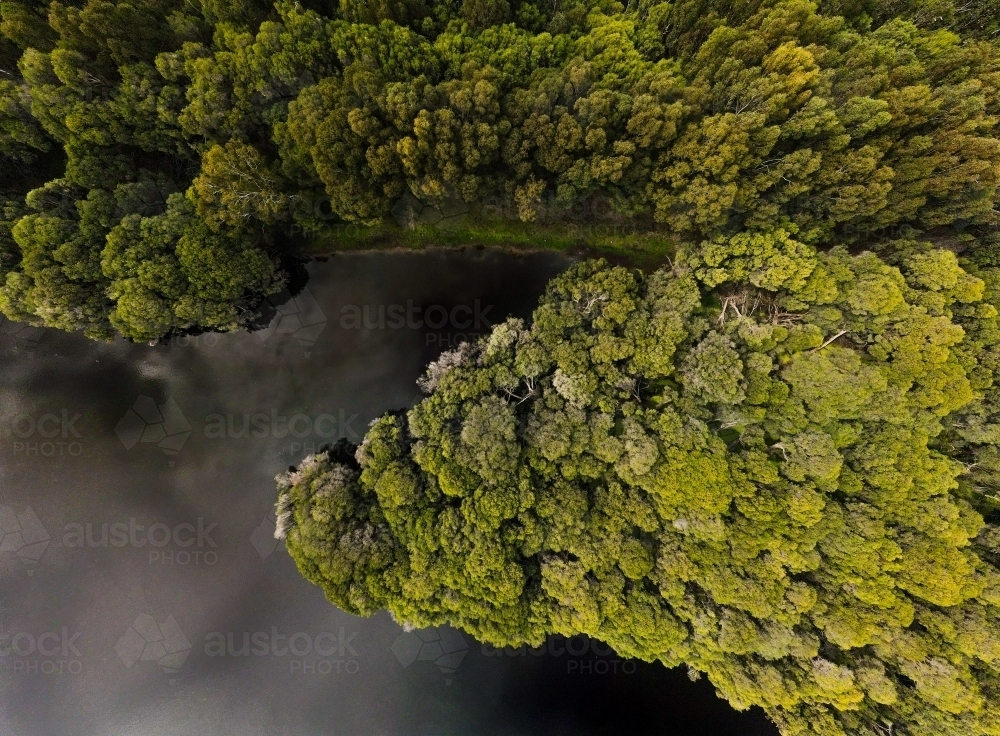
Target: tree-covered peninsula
(787,482)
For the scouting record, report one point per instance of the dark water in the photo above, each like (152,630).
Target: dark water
(142,592)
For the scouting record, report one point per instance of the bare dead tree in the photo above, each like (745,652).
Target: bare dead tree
(884,729)
(839,334)
(587,301)
(255,187)
(512,393)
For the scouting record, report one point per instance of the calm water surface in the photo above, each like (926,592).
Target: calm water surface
(141,591)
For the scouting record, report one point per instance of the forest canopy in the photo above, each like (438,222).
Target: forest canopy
(157,154)
(774,460)
(792,489)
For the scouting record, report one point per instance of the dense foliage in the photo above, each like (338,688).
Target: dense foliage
(156,152)
(781,482)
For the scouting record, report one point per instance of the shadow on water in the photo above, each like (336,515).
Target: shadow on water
(296,270)
(598,696)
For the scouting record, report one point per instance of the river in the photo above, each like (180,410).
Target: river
(142,592)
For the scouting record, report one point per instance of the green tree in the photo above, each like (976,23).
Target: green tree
(403,12)
(236,185)
(170,272)
(480,14)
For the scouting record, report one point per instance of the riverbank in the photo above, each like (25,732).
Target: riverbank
(622,243)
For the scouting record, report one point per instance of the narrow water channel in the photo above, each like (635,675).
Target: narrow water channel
(142,592)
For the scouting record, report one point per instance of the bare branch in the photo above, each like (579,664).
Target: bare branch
(842,332)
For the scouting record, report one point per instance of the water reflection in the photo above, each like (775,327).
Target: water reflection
(142,591)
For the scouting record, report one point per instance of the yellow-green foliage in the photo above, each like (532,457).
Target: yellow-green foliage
(769,486)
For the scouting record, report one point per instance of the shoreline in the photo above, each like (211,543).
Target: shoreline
(620,244)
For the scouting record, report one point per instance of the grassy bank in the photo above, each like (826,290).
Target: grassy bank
(622,243)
